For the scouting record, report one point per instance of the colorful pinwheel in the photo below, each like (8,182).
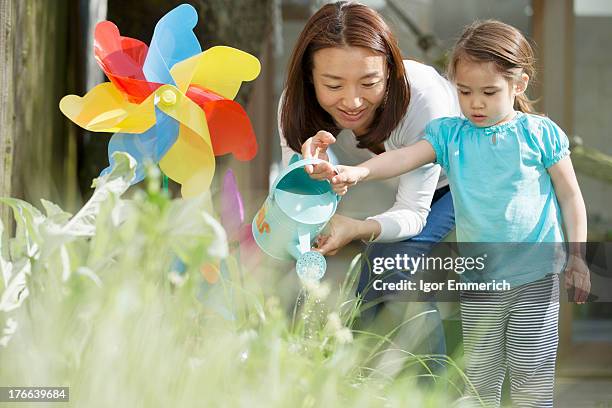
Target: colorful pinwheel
(169,103)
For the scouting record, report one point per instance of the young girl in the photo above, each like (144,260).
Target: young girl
(511,180)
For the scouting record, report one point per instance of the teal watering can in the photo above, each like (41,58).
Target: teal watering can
(295,212)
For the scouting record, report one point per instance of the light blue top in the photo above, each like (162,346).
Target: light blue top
(498,176)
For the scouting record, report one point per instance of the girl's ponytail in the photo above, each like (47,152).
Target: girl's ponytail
(523,104)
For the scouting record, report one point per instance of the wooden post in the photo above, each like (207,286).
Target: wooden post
(7,115)
(553,28)
(33,140)
(553,33)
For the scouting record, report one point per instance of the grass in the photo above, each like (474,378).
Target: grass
(95,302)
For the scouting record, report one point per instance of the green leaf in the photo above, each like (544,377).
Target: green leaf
(116,183)
(57,232)
(55,213)
(194,235)
(9,329)
(27,237)
(16,289)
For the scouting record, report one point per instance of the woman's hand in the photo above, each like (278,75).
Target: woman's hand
(347,176)
(316,147)
(578,276)
(341,230)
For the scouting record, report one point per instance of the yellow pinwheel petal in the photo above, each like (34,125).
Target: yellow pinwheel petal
(198,183)
(220,69)
(105,109)
(191,160)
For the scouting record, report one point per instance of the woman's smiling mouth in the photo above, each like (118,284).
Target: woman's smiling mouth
(352,116)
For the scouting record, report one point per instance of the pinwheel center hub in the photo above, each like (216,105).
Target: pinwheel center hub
(168,97)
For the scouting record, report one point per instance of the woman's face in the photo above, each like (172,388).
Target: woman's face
(350,85)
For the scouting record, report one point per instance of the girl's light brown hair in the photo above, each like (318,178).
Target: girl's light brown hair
(339,25)
(501,44)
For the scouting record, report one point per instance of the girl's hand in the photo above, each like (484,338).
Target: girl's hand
(347,176)
(577,275)
(316,147)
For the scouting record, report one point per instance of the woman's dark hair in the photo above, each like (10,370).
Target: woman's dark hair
(341,24)
(501,44)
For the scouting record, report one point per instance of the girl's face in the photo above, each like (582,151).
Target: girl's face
(350,84)
(486,97)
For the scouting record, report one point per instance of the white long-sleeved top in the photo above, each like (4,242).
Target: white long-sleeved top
(401,204)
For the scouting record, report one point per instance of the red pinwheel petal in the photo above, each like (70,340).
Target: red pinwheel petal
(136,49)
(200,95)
(228,124)
(121,59)
(230,129)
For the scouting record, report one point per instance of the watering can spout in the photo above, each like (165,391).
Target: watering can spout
(310,265)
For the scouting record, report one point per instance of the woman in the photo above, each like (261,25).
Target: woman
(346,78)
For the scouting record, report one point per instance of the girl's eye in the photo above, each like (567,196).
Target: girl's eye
(333,87)
(370,85)
(489,93)
(464,92)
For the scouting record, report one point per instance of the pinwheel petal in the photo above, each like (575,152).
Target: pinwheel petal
(136,49)
(173,41)
(104,109)
(118,55)
(121,59)
(190,162)
(220,69)
(232,209)
(228,124)
(151,145)
(230,129)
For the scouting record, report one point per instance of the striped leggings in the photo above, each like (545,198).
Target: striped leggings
(515,330)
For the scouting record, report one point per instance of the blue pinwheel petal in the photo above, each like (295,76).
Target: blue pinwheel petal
(151,145)
(173,41)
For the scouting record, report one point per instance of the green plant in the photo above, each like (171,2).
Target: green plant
(92,301)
